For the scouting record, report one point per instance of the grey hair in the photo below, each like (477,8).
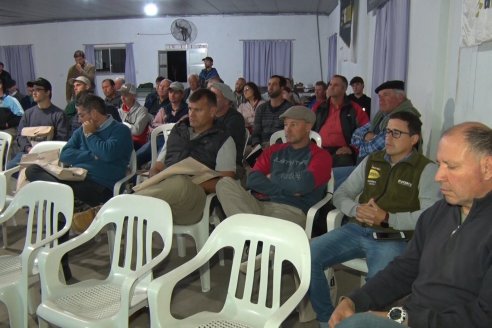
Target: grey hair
(194,75)
(400,92)
(122,79)
(477,135)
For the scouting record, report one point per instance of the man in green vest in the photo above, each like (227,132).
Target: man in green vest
(394,186)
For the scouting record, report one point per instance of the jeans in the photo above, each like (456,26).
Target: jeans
(144,153)
(14,161)
(348,242)
(368,320)
(340,174)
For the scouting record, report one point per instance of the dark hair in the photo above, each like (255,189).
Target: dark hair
(203,93)
(78,53)
(256,91)
(413,122)
(282,80)
(321,83)
(159,79)
(111,82)
(90,102)
(1,64)
(343,78)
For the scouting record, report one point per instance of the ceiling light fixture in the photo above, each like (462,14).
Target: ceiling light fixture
(150,9)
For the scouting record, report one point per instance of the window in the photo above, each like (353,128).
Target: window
(110,60)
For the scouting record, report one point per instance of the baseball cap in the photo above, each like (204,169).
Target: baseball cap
(176,86)
(128,88)
(208,58)
(299,113)
(226,91)
(82,79)
(394,84)
(42,82)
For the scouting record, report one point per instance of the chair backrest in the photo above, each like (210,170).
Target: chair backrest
(313,135)
(165,129)
(5,142)
(45,201)
(136,227)
(47,146)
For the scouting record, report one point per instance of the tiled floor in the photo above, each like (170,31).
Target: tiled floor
(92,261)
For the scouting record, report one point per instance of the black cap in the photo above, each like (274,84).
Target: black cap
(356,79)
(208,58)
(395,84)
(42,83)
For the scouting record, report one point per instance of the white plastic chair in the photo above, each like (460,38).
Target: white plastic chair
(241,310)
(132,170)
(38,148)
(313,135)
(333,221)
(109,302)
(45,201)
(5,142)
(164,129)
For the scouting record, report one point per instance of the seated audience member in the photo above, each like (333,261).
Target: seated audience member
(28,100)
(213,80)
(4,75)
(173,112)
(232,121)
(134,115)
(287,178)
(44,113)
(10,109)
(193,85)
(336,120)
(152,99)
(370,137)
(319,95)
(161,99)
(267,119)
(288,95)
(358,96)
(296,99)
(113,97)
(248,108)
(200,138)
(14,91)
(395,186)
(239,91)
(208,72)
(446,268)
(80,84)
(103,147)
(118,82)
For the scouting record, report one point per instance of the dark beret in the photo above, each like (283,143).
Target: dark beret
(395,84)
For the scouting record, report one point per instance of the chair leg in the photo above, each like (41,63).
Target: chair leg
(204,269)
(181,241)
(4,235)
(42,323)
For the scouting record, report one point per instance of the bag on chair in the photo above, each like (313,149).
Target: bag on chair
(36,134)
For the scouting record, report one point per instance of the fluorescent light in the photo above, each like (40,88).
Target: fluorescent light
(150,9)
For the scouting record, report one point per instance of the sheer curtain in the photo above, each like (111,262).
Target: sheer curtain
(19,63)
(332,56)
(390,60)
(264,58)
(130,75)
(89,54)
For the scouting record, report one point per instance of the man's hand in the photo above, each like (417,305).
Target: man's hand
(370,213)
(345,309)
(79,68)
(344,151)
(158,167)
(380,214)
(369,136)
(89,127)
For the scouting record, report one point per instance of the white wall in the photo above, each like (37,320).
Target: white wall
(54,43)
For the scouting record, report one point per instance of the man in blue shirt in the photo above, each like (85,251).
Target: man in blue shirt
(208,72)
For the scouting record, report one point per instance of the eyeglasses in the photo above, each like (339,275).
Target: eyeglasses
(395,133)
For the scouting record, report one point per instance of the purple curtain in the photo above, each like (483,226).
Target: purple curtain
(19,63)
(390,60)
(130,75)
(332,56)
(89,54)
(264,58)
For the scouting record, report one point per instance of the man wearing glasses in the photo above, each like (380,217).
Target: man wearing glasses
(383,198)
(43,114)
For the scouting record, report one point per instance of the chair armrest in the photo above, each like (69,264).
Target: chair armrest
(334,219)
(311,214)
(120,183)
(9,179)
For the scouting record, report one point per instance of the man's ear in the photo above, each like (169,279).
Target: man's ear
(486,167)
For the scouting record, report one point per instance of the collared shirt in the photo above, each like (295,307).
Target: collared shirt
(331,132)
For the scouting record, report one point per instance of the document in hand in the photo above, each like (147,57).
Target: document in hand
(188,166)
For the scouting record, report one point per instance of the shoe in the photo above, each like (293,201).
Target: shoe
(82,220)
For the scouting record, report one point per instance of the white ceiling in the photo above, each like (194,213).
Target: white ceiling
(15,12)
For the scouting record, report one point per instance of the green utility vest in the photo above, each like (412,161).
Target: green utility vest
(395,189)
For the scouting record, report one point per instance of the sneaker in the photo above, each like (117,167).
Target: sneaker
(82,220)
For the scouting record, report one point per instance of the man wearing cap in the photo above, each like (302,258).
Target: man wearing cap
(44,113)
(134,115)
(81,68)
(81,85)
(198,137)
(28,100)
(232,121)
(10,109)
(171,112)
(392,98)
(384,195)
(336,120)
(358,95)
(208,72)
(267,115)
(287,179)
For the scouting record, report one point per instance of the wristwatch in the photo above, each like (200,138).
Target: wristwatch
(398,314)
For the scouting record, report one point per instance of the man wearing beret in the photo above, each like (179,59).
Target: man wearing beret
(287,179)
(392,98)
